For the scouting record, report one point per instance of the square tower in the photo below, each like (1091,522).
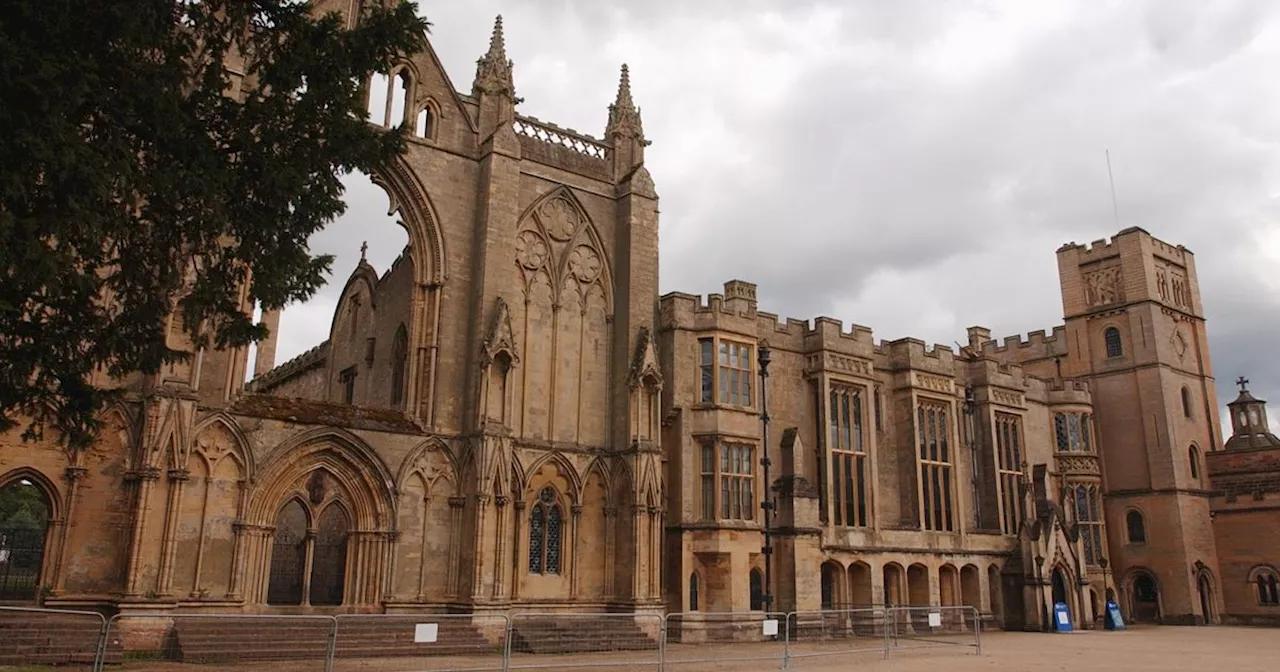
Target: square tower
(1136,331)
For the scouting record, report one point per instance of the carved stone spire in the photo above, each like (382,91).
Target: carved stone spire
(624,116)
(625,131)
(493,70)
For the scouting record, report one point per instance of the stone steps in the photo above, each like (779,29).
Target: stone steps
(45,638)
(227,641)
(578,635)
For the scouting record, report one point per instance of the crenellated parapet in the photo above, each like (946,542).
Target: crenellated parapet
(1038,344)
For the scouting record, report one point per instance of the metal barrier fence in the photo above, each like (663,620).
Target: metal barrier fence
(832,632)
(85,640)
(66,639)
(924,627)
(701,638)
(282,643)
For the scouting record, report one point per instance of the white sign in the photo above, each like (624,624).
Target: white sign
(426,633)
(771,627)
(935,619)
(1062,618)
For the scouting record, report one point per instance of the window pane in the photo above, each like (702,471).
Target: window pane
(707,348)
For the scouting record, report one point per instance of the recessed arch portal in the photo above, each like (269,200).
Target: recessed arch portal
(28,502)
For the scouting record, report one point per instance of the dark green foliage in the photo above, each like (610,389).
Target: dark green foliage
(130,183)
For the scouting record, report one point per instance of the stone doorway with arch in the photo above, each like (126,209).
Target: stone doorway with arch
(319,534)
(1144,597)
(1206,595)
(27,506)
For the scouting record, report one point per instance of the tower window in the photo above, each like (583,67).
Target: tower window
(1186,401)
(1112,339)
(1193,457)
(1137,527)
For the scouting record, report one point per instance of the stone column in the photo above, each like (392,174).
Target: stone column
(145,478)
(576,511)
(518,527)
(477,585)
(499,545)
(73,474)
(610,538)
(204,519)
(456,507)
(234,586)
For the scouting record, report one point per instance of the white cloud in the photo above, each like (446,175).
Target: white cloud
(912,166)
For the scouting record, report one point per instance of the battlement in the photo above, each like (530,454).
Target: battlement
(1037,344)
(739,301)
(913,353)
(1106,248)
(1063,391)
(304,362)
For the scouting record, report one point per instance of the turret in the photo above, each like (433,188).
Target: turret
(1249,421)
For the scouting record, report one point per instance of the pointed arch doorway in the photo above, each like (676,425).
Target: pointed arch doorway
(25,510)
(309,561)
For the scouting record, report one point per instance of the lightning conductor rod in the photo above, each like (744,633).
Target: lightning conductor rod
(1115,209)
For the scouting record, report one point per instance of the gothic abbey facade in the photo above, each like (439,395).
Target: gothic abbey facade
(511,417)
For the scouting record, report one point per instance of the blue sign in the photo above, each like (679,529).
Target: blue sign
(1061,617)
(1114,620)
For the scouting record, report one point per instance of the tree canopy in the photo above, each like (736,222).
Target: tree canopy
(169,154)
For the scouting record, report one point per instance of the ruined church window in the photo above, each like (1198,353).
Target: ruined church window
(1136,527)
(1111,337)
(389,98)
(1088,515)
(1009,463)
(1073,432)
(849,457)
(348,381)
(933,428)
(544,533)
(399,362)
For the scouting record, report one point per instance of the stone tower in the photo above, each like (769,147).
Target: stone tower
(1136,331)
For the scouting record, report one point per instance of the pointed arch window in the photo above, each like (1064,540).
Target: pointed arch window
(1111,337)
(399,363)
(545,522)
(693,591)
(1136,527)
(1193,460)
(1186,401)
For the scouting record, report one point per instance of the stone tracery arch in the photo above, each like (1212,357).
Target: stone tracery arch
(352,463)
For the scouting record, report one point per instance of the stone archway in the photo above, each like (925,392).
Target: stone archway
(1059,592)
(27,509)
(1204,591)
(320,528)
(1144,597)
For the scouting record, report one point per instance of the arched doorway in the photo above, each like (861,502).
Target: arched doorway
(24,524)
(1205,588)
(892,584)
(1058,586)
(329,563)
(828,586)
(1146,599)
(289,555)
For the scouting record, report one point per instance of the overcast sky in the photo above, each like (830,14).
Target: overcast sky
(912,165)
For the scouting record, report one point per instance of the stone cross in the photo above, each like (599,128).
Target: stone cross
(1242,382)
(364,247)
